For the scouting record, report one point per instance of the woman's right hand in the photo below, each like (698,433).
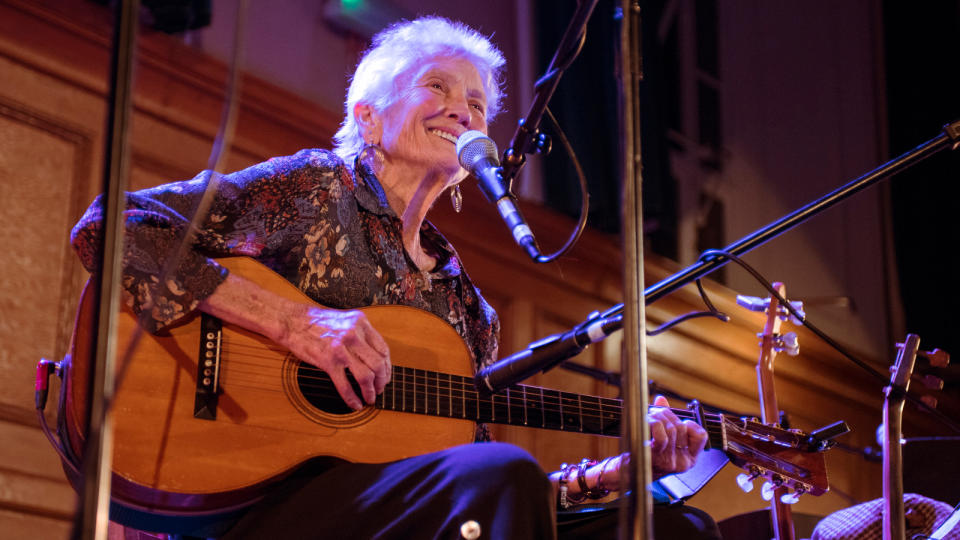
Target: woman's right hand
(336,341)
(330,339)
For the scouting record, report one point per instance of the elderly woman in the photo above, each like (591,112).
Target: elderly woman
(348,228)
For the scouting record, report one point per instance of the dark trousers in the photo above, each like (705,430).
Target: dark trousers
(500,486)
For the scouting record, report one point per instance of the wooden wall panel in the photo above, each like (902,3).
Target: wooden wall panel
(52,61)
(17,525)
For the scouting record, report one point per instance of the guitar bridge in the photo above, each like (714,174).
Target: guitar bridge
(208,368)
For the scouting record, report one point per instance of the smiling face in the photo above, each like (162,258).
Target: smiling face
(440,99)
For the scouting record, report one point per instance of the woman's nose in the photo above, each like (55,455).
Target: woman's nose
(459,109)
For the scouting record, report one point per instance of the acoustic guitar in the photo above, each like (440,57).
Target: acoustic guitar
(209,415)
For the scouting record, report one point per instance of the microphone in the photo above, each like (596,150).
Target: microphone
(544,354)
(477,153)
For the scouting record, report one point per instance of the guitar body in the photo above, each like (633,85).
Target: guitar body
(166,460)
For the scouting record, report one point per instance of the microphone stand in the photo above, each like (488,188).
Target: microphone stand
(94,500)
(526,139)
(635,510)
(546,353)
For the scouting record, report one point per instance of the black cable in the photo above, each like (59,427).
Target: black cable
(706,300)
(584,194)
(882,379)
(711,312)
(56,443)
(684,318)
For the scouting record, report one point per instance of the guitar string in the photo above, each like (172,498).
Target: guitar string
(459,387)
(460,384)
(609,403)
(481,411)
(451,402)
(601,401)
(552,399)
(420,393)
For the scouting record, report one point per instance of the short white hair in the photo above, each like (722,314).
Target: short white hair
(398,49)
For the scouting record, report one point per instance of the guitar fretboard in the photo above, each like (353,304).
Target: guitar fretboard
(421,391)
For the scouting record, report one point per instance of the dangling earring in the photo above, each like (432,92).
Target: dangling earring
(370,155)
(456,198)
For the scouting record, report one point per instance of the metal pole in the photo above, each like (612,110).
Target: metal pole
(98,453)
(635,522)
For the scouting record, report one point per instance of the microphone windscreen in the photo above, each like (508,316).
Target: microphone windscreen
(472,146)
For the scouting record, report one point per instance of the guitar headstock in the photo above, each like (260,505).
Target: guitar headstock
(785,458)
(918,366)
(771,340)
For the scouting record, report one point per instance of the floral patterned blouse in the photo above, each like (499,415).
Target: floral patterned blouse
(310,218)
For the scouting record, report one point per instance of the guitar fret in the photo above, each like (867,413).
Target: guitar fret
(403,396)
(591,423)
(393,389)
(455,389)
(524,405)
(514,406)
(484,409)
(580,410)
(403,389)
(414,393)
(611,415)
(417,393)
(568,414)
(552,409)
(437,390)
(449,396)
(428,391)
(600,403)
(543,418)
(560,403)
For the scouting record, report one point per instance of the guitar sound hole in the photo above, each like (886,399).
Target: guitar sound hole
(319,391)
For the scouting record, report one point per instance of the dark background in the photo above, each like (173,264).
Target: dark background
(922,65)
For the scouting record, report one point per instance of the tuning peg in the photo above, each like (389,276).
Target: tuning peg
(788,342)
(929,401)
(766,492)
(753,303)
(881,433)
(936,357)
(791,498)
(745,481)
(930,381)
(797,305)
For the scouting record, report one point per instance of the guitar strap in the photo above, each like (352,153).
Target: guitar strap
(682,486)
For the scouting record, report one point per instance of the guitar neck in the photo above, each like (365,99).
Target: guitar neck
(440,394)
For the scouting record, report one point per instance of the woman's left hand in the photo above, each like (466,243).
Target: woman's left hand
(674,443)
(674,447)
